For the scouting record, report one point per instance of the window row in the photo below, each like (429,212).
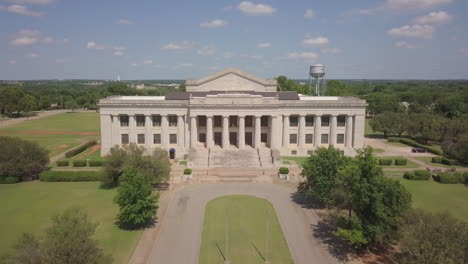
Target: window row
(141,120)
(309,120)
(141,139)
(309,139)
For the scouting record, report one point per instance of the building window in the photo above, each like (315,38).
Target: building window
(202,137)
(249,121)
(172,138)
(172,120)
(264,121)
(233,121)
(340,139)
(309,138)
(141,138)
(325,121)
(124,120)
(341,121)
(140,120)
(309,120)
(218,121)
(202,121)
(294,152)
(292,138)
(124,139)
(156,120)
(324,139)
(294,120)
(157,139)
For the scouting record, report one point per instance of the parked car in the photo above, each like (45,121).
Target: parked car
(418,150)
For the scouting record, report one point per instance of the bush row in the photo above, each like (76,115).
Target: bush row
(417,175)
(284,170)
(80,149)
(451,177)
(80,163)
(70,176)
(415,144)
(9,180)
(397,161)
(445,161)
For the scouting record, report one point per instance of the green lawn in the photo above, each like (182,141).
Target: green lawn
(57,133)
(247,232)
(298,160)
(28,206)
(428,160)
(409,164)
(437,197)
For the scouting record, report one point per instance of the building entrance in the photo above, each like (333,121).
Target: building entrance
(217,138)
(248,139)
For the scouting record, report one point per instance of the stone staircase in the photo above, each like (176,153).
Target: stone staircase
(233,158)
(198,157)
(266,160)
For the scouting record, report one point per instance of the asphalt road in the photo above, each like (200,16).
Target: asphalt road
(181,228)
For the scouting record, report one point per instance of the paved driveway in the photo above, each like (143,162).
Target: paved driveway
(181,228)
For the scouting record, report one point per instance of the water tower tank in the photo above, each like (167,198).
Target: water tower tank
(317,70)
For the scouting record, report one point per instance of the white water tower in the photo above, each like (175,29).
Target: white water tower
(317,72)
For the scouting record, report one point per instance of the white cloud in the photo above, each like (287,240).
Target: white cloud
(213,23)
(26,37)
(413,4)
(119,51)
(309,13)
(205,51)
(133,64)
(184,45)
(250,8)
(464,50)
(404,44)
(361,11)
(23,10)
(48,40)
(33,55)
(413,31)
(95,46)
(12,62)
(255,57)
(315,41)
(37,2)
(228,7)
(308,56)
(264,45)
(59,61)
(331,51)
(147,62)
(124,22)
(440,17)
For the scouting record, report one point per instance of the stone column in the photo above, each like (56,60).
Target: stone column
(349,131)
(132,126)
(274,141)
(106,132)
(209,131)
(115,131)
(187,132)
(193,131)
(358,131)
(258,131)
(148,134)
(180,131)
(285,131)
(302,131)
(225,132)
(317,134)
(164,131)
(241,133)
(333,130)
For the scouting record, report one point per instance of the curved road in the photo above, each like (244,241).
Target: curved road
(181,228)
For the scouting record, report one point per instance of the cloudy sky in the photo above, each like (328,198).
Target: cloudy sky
(164,39)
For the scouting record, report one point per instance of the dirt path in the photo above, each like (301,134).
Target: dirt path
(39,115)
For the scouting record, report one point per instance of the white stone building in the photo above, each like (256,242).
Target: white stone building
(232,110)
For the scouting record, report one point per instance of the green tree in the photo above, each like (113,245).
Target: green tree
(337,88)
(285,84)
(380,103)
(321,172)
(71,104)
(27,104)
(432,239)
(10,100)
(425,127)
(118,88)
(137,204)
(114,165)
(390,123)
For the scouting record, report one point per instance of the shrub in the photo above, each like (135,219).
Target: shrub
(385,162)
(79,163)
(465,178)
(422,175)
(62,163)
(449,162)
(9,180)
(284,170)
(80,149)
(187,171)
(95,163)
(401,162)
(70,176)
(446,177)
(459,176)
(409,175)
(436,159)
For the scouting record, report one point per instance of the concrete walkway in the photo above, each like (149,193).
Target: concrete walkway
(181,229)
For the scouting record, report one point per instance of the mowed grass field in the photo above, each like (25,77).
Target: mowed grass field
(247,232)
(58,133)
(28,206)
(436,197)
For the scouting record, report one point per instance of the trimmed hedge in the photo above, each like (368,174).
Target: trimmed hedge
(459,177)
(449,162)
(284,170)
(95,163)
(79,163)
(446,177)
(80,149)
(417,175)
(62,163)
(436,159)
(385,162)
(9,180)
(187,171)
(412,143)
(70,176)
(409,175)
(465,178)
(401,162)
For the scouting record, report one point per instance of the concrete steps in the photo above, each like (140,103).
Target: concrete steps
(233,158)
(265,157)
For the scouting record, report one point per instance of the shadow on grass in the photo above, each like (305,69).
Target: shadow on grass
(108,185)
(374,136)
(323,231)
(151,224)
(258,251)
(220,252)
(305,202)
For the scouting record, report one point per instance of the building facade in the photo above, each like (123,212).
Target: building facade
(233,110)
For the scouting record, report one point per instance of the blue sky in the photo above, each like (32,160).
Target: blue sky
(359,39)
